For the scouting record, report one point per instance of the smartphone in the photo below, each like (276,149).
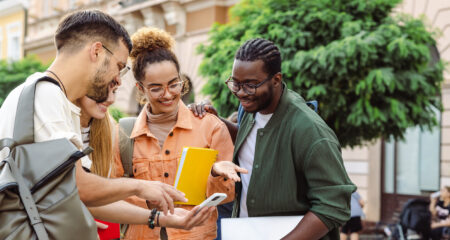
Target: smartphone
(213,200)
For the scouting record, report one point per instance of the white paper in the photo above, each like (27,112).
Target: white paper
(264,228)
(180,165)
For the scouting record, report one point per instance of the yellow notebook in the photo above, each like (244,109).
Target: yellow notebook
(193,171)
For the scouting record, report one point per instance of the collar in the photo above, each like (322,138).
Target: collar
(183,121)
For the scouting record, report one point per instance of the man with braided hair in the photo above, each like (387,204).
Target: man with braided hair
(293,158)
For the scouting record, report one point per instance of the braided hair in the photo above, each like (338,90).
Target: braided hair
(261,49)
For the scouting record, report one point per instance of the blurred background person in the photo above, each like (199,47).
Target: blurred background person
(354,225)
(440,212)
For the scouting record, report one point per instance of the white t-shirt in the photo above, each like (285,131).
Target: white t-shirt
(246,157)
(54,115)
(85,133)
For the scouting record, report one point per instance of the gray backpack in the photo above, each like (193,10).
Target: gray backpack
(38,193)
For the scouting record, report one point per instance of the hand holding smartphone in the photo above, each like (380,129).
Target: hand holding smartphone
(212,201)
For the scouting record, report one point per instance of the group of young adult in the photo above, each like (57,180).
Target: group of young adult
(287,159)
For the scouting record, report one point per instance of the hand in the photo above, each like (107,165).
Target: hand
(202,108)
(160,194)
(101,225)
(185,219)
(227,169)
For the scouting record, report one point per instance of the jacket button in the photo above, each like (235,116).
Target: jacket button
(171,134)
(167,152)
(166,174)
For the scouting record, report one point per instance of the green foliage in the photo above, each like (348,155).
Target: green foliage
(116,113)
(13,74)
(371,73)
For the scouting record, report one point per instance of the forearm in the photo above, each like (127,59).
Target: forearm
(97,191)
(309,228)
(220,185)
(443,223)
(121,212)
(433,208)
(232,128)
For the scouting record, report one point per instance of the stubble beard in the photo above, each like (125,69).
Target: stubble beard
(98,90)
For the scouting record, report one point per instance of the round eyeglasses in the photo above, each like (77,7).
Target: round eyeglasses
(248,88)
(159,90)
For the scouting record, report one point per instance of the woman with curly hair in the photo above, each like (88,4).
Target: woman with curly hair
(165,125)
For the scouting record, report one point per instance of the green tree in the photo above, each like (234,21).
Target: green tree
(12,74)
(371,72)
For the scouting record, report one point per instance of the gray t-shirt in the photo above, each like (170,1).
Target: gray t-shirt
(356,210)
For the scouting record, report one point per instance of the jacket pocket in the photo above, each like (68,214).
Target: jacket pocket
(141,169)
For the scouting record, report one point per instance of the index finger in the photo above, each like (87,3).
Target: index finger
(169,202)
(163,204)
(241,170)
(174,193)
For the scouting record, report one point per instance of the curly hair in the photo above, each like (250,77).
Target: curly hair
(152,45)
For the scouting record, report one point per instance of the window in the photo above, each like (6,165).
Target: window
(1,43)
(411,167)
(13,42)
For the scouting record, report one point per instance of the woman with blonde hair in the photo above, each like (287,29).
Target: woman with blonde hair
(165,125)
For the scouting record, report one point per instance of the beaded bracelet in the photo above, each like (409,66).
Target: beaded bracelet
(151,219)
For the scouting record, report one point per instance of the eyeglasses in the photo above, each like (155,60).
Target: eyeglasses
(249,88)
(123,66)
(159,91)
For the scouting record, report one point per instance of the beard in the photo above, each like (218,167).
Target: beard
(263,101)
(99,88)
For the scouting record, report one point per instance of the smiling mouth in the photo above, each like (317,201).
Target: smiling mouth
(167,102)
(102,107)
(245,101)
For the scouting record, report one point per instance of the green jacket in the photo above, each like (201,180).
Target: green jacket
(297,167)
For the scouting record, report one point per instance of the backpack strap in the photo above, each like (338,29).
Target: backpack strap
(126,144)
(313,104)
(240,115)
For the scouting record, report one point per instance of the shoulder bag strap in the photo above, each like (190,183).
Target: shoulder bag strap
(28,202)
(24,121)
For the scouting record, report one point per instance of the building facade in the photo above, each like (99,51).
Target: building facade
(12,29)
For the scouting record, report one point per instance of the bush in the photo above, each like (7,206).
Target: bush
(116,113)
(12,74)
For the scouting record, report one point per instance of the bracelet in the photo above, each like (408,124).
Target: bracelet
(157,219)
(151,219)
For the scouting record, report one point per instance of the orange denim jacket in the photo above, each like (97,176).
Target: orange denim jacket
(150,162)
